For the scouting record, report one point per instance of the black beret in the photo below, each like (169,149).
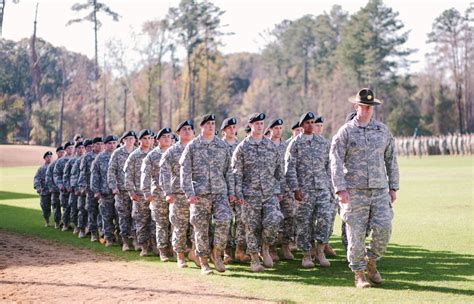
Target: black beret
(296,125)
(77,136)
(185,123)
(276,122)
(109,138)
(49,153)
(145,132)
(175,138)
(87,142)
(305,117)
(256,117)
(97,140)
(319,119)
(128,133)
(68,144)
(163,132)
(247,129)
(230,121)
(350,116)
(60,148)
(206,118)
(78,144)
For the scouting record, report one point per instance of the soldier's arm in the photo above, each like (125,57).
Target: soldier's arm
(57,176)
(37,180)
(112,172)
(391,165)
(67,174)
(290,167)
(81,182)
(128,169)
(95,176)
(186,172)
(145,176)
(49,178)
(278,174)
(229,175)
(337,155)
(75,173)
(165,173)
(237,165)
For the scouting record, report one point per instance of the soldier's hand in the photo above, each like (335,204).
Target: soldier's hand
(78,192)
(193,199)
(298,195)
(343,197)
(97,195)
(242,201)
(149,198)
(134,197)
(61,188)
(38,190)
(281,197)
(232,198)
(115,191)
(169,199)
(393,195)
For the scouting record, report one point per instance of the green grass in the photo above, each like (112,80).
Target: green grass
(429,259)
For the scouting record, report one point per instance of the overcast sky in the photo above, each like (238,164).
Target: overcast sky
(246,18)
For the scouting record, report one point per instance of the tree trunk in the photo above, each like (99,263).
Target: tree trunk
(105,104)
(61,112)
(125,93)
(160,96)
(96,67)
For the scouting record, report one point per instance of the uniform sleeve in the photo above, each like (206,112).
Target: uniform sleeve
(81,182)
(57,175)
(95,176)
(145,176)
(112,172)
(128,169)
(186,172)
(229,175)
(37,179)
(237,165)
(165,172)
(75,173)
(391,165)
(290,167)
(337,155)
(67,175)
(49,177)
(278,174)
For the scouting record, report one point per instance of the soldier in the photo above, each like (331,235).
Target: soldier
(140,208)
(100,188)
(81,195)
(55,203)
(287,205)
(74,195)
(150,185)
(257,170)
(116,180)
(295,131)
(237,230)
(84,183)
(311,189)
(174,195)
(365,177)
(41,187)
(208,183)
(58,172)
(78,138)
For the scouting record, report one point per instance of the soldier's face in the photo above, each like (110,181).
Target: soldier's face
(276,132)
(364,112)
(257,127)
(70,150)
(145,141)
(48,159)
(230,131)
(80,150)
(318,128)
(186,133)
(129,141)
(60,153)
(97,147)
(110,146)
(296,132)
(89,148)
(209,128)
(165,141)
(308,126)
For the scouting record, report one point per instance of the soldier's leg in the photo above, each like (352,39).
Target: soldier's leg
(56,207)
(304,221)
(252,215)
(324,216)
(45,203)
(239,226)
(81,212)
(92,211)
(200,216)
(356,216)
(222,215)
(179,218)
(160,215)
(66,216)
(287,206)
(142,216)
(107,211)
(123,205)
(73,198)
(381,215)
(271,220)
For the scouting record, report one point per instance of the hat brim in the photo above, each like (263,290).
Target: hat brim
(374,102)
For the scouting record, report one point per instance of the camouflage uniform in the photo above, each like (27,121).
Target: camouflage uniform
(92,204)
(123,203)
(258,172)
(179,209)
(78,215)
(150,185)
(362,157)
(39,182)
(58,172)
(72,200)
(140,209)
(206,173)
(55,203)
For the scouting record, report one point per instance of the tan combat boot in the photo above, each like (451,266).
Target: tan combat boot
(285,250)
(94,237)
(82,234)
(267,259)
(255,263)
(192,256)
(205,269)
(125,247)
(163,252)
(144,251)
(329,251)
(360,280)
(307,260)
(240,254)
(181,261)
(216,258)
(109,243)
(372,272)
(320,257)
(227,255)
(314,251)
(75,231)
(274,254)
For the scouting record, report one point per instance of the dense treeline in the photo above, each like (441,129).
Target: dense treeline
(312,63)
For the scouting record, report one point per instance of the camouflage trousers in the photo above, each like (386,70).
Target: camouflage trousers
(367,207)
(316,204)
(109,215)
(73,208)
(262,218)
(81,212)
(45,203)
(141,215)
(215,206)
(160,215)
(179,218)
(92,206)
(287,228)
(64,201)
(236,234)
(123,205)
(56,204)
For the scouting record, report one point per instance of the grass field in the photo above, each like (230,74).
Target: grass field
(429,259)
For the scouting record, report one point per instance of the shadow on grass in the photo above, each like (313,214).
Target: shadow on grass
(404,267)
(5,195)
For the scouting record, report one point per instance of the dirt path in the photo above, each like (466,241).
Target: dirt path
(35,270)
(23,155)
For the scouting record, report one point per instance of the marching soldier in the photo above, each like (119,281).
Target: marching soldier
(55,203)
(70,183)
(58,172)
(41,187)
(81,195)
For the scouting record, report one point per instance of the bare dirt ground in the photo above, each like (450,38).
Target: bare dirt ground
(35,270)
(23,155)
